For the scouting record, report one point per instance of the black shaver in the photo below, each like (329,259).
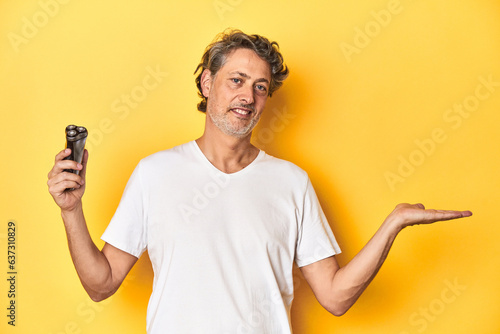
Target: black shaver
(75,140)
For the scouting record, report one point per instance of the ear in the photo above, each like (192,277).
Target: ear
(206,82)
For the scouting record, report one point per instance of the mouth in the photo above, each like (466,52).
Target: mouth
(241,111)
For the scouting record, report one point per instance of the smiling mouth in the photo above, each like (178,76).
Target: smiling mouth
(242,112)
(242,109)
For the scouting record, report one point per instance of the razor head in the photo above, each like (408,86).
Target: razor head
(75,133)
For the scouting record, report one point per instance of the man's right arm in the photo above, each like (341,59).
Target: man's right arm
(101,271)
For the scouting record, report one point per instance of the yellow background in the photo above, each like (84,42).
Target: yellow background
(352,117)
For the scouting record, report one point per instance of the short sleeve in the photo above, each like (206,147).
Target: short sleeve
(315,237)
(128,227)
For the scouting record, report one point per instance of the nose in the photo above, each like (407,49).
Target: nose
(247,94)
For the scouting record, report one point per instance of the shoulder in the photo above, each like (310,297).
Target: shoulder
(174,156)
(283,168)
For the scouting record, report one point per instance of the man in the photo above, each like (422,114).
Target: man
(223,262)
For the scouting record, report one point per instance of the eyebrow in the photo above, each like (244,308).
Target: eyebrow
(244,75)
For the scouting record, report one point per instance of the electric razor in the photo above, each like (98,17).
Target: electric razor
(75,140)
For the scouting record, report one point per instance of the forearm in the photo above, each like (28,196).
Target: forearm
(350,281)
(90,263)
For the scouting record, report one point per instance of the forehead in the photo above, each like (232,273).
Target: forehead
(248,62)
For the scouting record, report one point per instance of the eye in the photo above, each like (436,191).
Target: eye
(236,80)
(261,88)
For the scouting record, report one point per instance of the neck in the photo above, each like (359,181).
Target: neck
(227,153)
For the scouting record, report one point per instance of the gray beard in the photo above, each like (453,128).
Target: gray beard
(223,124)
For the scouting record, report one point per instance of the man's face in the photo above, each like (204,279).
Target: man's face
(238,92)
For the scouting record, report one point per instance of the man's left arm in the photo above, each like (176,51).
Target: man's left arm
(337,289)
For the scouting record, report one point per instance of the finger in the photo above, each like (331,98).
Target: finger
(63,165)
(463,213)
(63,154)
(440,215)
(59,188)
(419,205)
(68,164)
(65,177)
(56,169)
(56,188)
(459,214)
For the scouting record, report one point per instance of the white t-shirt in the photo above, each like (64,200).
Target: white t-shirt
(222,245)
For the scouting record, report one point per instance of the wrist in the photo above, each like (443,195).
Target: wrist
(70,213)
(393,225)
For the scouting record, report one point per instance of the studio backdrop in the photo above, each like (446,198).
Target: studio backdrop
(388,101)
